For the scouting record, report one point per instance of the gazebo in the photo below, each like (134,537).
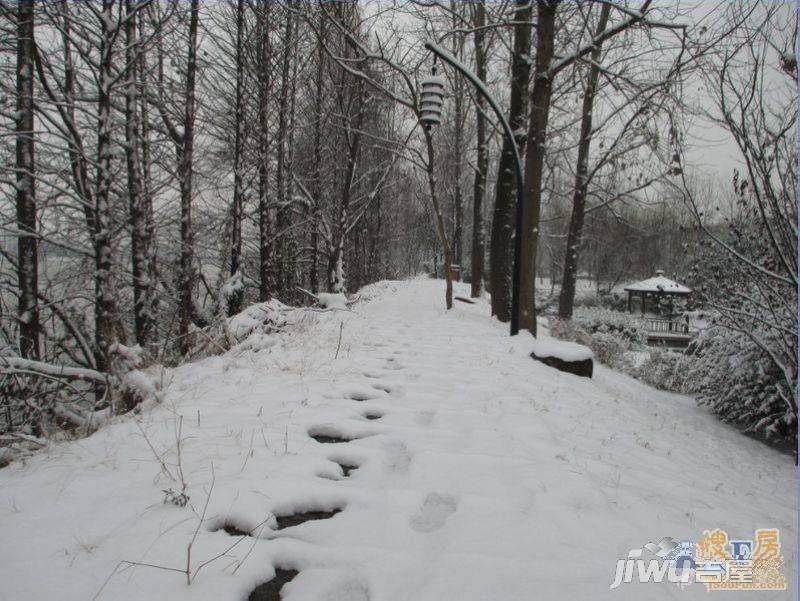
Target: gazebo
(651,292)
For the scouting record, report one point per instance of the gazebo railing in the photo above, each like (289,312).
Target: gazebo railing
(666,326)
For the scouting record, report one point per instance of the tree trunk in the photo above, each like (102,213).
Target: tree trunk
(458,146)
(351,97)
(534,160)
(144,320)
(501,256)
(27,242)
(291,251)
(186,155)
(482,164)
(150,300)
(336,278)
(315,220)
(566,299)
(264,87)
(283,217)
(104,294)
(234,303)
(440,226)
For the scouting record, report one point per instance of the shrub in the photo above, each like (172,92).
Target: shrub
(609,349)
(740,382)
(568,330)
(663,370)
(597,319)
(722,369)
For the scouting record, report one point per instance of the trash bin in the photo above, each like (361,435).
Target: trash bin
(455,273)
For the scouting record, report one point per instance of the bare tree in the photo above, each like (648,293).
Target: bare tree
(184,149)
(139,200)
(264,81)
(482,161)
(27,242)
(234,303)
(500,256)
(545,71)
(567,297)
(534,159)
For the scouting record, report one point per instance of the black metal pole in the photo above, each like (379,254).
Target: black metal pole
(517,273)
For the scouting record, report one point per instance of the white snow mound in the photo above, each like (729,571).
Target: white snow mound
(561,349)
(330,300)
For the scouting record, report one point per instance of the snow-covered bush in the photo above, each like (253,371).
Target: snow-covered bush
(231,292)
(588,301)
(741,383)
(663,370)
(130,385)
(565,329)
(609,347)
(598,319)
(269,317)
(332,300)
(226,332)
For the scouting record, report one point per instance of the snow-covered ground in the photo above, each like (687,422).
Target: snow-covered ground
(487,475)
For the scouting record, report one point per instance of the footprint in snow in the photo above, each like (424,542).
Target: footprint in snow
(434,512)
(398,457)
(364,394)
(424,418)
(348,590)
(328,434)
(271,590)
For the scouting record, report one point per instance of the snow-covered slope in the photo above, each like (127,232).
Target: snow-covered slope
(487,475)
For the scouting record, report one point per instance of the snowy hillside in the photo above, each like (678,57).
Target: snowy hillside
(471,472)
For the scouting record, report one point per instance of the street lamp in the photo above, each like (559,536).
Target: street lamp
(431,95)
(431,98)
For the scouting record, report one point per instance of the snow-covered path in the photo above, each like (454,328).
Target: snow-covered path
(481,474)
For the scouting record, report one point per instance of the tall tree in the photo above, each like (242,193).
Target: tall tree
(500,254)
(184,149)
(234,303)
(139,205)
(282,259)
(545,71)
(534,160)
(264,81)
(566,298)
(149,309)
(459,99)
(319,84)
(27,242)
(482,163)
(187,277)
(106,325)
(350,106)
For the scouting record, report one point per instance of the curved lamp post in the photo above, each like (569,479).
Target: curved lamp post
(431,96)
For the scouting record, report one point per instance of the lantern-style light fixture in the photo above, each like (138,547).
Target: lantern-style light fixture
(431,98)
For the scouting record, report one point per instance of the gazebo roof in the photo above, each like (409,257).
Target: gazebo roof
(657,284)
